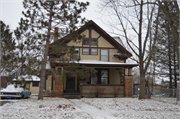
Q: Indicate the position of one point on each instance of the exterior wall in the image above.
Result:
(58, 87)
(128, 86)
(102, 43)
(114, 76)
(94, 34)
(34, 89)
(112, 58)
(79, 43)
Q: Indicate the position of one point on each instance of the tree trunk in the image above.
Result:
(43, 66)
(142, 85)
(169, 64)
(142, 73)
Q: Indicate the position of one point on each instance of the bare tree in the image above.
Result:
(136, 16)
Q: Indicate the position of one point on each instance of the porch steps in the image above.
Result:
(72, 94)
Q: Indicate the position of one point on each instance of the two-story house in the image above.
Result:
(107, 55)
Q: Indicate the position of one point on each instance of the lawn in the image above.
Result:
(89, 108)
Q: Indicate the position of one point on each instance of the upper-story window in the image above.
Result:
(104, 54)
(93, 51)
(85, 51)
(89, 41)
(76, 55)
(85, 41)
(93, 42)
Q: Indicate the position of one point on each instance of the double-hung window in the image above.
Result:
(104, 54)
(86, 51)
(93, 51)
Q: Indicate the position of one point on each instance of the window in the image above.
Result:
(93, 51)
(94, 78)
(93, 42)
(35, 84)
(104, 54)
(86, 51)
(104, 77)
(85, 41)
(76, 55)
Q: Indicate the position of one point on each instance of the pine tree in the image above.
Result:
(7, 48)
(166, 52)
(44, 16)
(28, 52)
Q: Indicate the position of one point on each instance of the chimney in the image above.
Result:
(56, 34)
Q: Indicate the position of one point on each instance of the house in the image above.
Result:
(31, 81)
(107, 55)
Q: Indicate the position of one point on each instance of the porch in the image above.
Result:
(109, 80)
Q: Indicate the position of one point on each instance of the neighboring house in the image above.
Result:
(32, 82)
(104, 53)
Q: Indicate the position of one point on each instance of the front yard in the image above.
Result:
(89, 108)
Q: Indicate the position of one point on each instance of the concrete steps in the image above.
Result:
(72, 94)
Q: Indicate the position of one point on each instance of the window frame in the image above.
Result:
(95, 40)
(87, 40)
(83, 51)
(96, 51)
(34, 83)
(104, 55)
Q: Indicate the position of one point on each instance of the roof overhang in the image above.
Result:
(95, 63)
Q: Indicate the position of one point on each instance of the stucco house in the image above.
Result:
(106, 54)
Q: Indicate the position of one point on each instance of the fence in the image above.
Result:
(161, 94)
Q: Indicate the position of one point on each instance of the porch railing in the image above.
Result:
(101, 90)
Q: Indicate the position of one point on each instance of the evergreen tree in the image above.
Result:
(7, 48)
(166, 52)
(44, 16)
(28, 52)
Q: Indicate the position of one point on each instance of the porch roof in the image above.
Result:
(96, 63)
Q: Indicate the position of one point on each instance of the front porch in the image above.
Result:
(108, 80)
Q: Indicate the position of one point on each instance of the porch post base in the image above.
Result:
(58, 87)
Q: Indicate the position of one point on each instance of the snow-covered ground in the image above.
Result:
(89, 108)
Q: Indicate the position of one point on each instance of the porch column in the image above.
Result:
(59, 85)
(128, 86)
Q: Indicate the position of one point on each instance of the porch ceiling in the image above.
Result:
(95, 63)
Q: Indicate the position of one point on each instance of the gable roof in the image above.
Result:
(113, 41)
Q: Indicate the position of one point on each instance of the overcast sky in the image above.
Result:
(11, 12)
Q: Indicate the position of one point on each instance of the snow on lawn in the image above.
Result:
(58, 108)
(132, 108)
(87, 108)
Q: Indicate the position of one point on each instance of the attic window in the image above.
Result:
(85, 41)
(93, 42)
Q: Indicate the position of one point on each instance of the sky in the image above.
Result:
(11, 12)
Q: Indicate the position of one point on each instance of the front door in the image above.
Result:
(70, 82)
